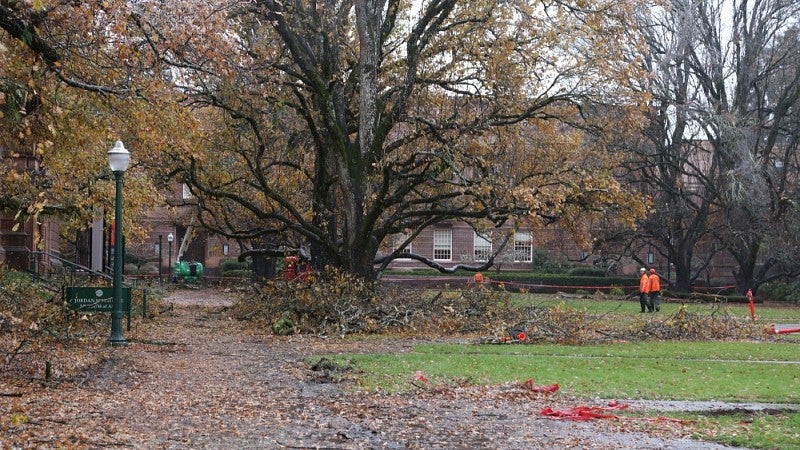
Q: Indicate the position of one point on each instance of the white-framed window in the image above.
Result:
(481, 246)
(398, 241)
(187, 193)
(442, 244)
(523, 246)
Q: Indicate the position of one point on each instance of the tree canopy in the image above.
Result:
(67, 92)
(336, 124)
(722, 141)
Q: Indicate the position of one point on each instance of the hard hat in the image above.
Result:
(652, 270)
(642, 270)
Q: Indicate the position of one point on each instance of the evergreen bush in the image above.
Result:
(587, 272)
(541, 263)
(234, 268)
(232, 264)
(780, 292)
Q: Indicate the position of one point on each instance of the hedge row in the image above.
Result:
(546, 282)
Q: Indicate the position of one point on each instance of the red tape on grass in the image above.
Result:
(579, 413)
(547, 389)
(600, 412)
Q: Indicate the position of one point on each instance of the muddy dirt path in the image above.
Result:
(194, 379)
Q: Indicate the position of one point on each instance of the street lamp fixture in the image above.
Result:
(118, 159)
(170, 238)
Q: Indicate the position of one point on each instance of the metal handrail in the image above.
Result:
(90, 271)
(75, 266)
(72, 264)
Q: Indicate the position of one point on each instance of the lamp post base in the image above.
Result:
(117, 339)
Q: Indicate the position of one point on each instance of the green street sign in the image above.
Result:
(96, 299)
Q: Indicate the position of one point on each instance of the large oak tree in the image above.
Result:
(336, 124)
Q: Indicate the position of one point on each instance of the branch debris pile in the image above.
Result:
(337, 303)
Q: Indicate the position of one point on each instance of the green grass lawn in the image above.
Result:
(764, 313)
(624, 313)
(765, 370)
(740, 371)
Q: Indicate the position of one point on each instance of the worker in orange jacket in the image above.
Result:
(655, 291)
(644, 290)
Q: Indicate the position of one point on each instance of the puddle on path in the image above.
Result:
(710, 406)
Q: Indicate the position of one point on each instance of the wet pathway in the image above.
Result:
(199, 381)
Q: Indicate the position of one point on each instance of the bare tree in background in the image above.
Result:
(720, 154)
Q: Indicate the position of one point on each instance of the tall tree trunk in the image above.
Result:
(747, 257)
(683, 272)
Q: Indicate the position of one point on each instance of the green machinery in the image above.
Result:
(188, 271)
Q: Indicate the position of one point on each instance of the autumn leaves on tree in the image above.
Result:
(339, 124)
(343, 123)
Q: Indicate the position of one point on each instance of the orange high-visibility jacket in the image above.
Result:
(655, 283)
(644, 284)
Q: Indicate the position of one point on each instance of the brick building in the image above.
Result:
(453, 243)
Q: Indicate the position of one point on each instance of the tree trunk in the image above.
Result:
(683, 273)
(745, 273)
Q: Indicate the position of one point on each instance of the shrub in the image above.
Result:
(542, 263)
(616, 290)
(235, 268)
(133, 258)
(232, 264)
(237, 273)
(780, 292)
(149, 267)
(563, 283)
(587, 272)
(34, 326)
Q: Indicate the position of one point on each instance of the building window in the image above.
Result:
(225, 249)
(398, 241)
(442, 244)
(523, 248)
(651, 258)
(481, 246)
(187, 193)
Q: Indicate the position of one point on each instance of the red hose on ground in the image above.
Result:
(774, 330)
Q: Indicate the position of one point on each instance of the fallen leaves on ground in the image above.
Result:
(193, 378)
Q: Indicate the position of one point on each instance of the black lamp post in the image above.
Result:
(118, 160)
(170, 238)
(160, 259)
